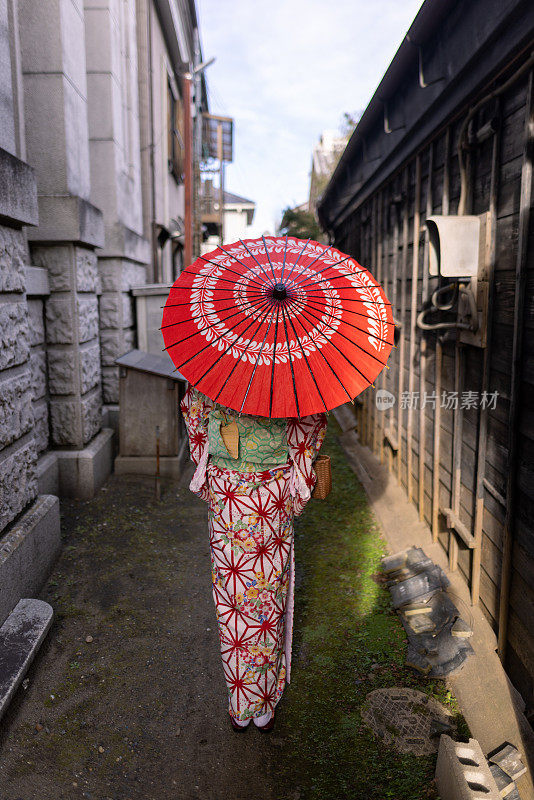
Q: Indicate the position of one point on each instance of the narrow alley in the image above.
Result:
(126, 698)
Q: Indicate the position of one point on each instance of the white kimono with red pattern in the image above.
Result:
(250, 522)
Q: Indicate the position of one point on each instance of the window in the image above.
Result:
(176, 133)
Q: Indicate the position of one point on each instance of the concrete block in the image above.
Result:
(87, 318)
(91, 408)
(116, 310)
(41, 431)
(16, 417)
(110, 384)
(58, 263)
(119, 274)
(47, 472)
(89, 366)
(59, 320)
(18, 485)
(65, 422)
(13, 257)
(37, 283)
(82, 472)
(45, 130)
(36, 321)
(115, 343)
(14, 335)
(38, 372)
(462, 772)
(62, 370)
(68, 218)
(85, 261)
(76, 138)
(100, 96)
(28, 552)
(18, 198)
(20, 638)
(98, 39)
(73, 45)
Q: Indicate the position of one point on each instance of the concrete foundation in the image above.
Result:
(83, 472)
(28, 552)
(47, 472)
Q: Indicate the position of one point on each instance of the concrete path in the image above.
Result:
(488, 701)
(126, 698)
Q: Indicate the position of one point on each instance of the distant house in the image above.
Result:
(237, 217)
(325, 156)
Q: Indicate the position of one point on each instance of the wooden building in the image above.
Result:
(449, 132)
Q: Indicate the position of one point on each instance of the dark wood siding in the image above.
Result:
(385, 234)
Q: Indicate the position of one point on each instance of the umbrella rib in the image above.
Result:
(196, 333)
(298, 258)
(307, 362)
(354, 299)
(326, 361)
(247, 266)
(264, 315)
(274, 356)
(257, 262)
(331, 343)
(318, 319)
(210, 344)
(212, 277)
(290, 362)
(346, 275)
(284, 262)
(254, 293)
(233, 271)
(355, 326)
(268, 257)
(257, 362)
(318, 271)
(209, 314)
(347, 310)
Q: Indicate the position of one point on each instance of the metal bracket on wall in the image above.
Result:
(423, 83)
(387, 126)
(480, 289)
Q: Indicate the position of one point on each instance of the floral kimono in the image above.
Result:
(252, 500)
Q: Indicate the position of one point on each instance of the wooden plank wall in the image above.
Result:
(444, 457)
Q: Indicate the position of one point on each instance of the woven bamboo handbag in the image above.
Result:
(323, 471)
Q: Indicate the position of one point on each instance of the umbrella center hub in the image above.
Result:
(279, 291)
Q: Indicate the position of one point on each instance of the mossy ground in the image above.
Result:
(348, 641)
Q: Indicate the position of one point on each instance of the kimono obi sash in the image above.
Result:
(262, 441)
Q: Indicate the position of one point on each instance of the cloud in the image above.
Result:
(286, 70)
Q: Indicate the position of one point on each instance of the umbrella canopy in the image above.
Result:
(278, 327)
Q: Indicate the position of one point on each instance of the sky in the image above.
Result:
(286, 70)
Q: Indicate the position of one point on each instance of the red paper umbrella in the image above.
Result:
(278, 327)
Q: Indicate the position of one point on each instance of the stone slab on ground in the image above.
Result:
(482, 688)
(462, 772)
(20, 638)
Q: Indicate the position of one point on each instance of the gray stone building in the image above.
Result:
(97, 106)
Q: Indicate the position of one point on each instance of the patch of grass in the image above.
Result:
(348, 641)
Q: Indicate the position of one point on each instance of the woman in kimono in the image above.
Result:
(256, 474)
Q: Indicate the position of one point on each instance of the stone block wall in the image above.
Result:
(117, 318)
(72, 339)
(18, 456)
(36, 296)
